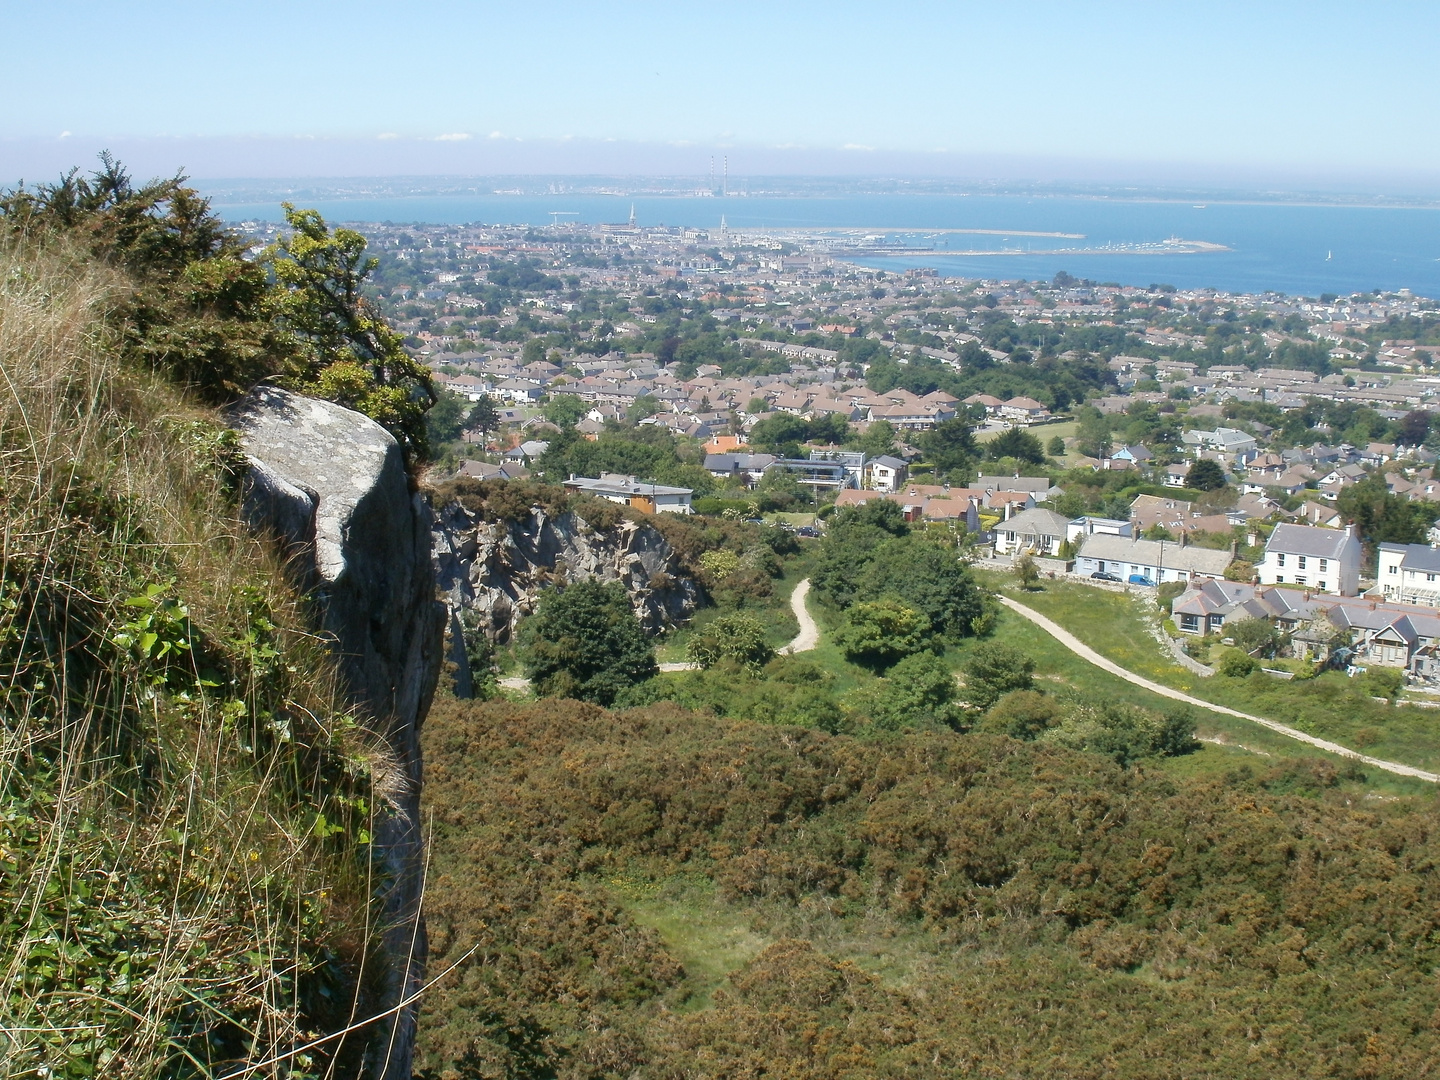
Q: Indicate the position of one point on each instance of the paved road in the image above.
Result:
(1080, 649)
(804, 641)
(809, 635)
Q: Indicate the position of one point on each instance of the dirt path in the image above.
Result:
(809, 635)
(806, 640)
(1080, 649)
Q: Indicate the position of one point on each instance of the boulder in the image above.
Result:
(330, 486)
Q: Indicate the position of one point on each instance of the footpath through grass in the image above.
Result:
(1332, 706)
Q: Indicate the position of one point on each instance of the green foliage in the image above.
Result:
(341, 348)
(1019, 444)
(1205, 475)
(184, 793)
(878, 633)
(1256, 635)
(1236, 664)
(1026, 571)
(869, 552)
(734, 637)
(993, 670)
(1056, 447)
(1383, 682)
(1155, 919)
(585, 642)
(1021, 714)
(1383, 517)
(1240, 570)
(1123, 732)
(918, 690)
(951, 448)
(565, 410)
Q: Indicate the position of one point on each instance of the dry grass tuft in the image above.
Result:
(183, 797)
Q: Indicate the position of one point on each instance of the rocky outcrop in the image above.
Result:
(497, 570)
(330, 485)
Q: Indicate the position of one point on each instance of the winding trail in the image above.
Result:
(809, 635)
(1080, 649)
(804, 641)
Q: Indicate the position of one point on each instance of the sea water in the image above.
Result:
(1304, 250)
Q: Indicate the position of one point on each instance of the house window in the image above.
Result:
(1394, 569)
(1323, 565)
(1429, 577)
(1302, 562)
(1279, 579)
(1280, 559)
(1189, 622)
(1299, 581)
(1322, 586)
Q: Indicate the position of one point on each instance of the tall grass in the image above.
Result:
(183, 796)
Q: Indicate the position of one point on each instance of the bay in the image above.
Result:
(1302, 250)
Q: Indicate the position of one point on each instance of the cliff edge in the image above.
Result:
(330, 485)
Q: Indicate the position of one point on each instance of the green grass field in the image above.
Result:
(1332, 707)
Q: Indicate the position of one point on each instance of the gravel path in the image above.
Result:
(1080, 649)
(809, 635)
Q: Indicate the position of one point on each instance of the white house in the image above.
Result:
(1038, 531)
(886, 473)
(1324, 560)
(1410, 574)
(1154, 560)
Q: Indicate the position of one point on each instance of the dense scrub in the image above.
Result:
(1037, 911)
(184, 796)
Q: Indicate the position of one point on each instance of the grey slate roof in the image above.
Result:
(1193, 560)
(1419, 557)
(1308, 540)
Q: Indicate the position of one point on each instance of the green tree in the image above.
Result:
(878, 633)
(994, 670)
(1236, 664)
(1205, 475)
(1093, 437)
(950, 447)
(735, 637)
(879, 438)
(1256, 635)
(484, 416)
(1056, 447)
(342, 349)
(585, 642)
(1016, 443)
(565, 410)
(444, 420)
(533, 352)
(919, 689)
(1026, 571)
(1384, 517)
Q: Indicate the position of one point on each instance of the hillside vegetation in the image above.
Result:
(185, 798)
(658, 893)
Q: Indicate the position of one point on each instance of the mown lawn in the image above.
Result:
(1331, 707)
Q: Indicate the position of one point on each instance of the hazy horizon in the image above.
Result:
(1305, 97)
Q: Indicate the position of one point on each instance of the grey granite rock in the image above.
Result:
(497, 570)
(330, 485)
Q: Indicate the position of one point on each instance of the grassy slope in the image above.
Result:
(1114, 625)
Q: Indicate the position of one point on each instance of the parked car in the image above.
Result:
(806, 530)
(1141, 579)
(1101, 575)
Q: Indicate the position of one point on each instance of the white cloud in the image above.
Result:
(454, 136)
(387, 135)
(64, 134)
(856, 146)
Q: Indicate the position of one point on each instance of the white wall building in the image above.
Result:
(1323, 560)
(1410, 574)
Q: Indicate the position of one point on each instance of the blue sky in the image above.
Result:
(1262, 92)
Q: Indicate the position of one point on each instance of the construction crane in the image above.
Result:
(556, 215)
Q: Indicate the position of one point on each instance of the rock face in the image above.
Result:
(497, 570)
(330, 485)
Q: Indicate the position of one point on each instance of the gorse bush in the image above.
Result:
(198, 310)
(922, 904)
(184, 798)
